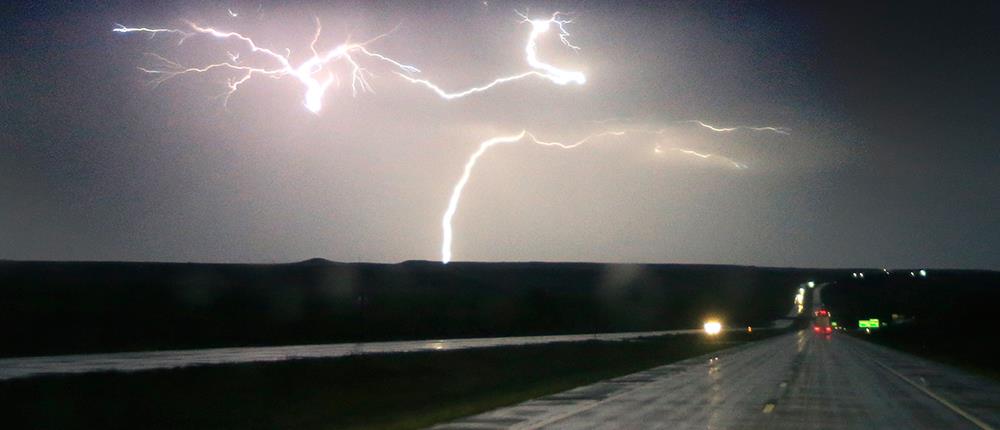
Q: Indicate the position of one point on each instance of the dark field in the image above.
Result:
(58, 308)
(949, 316)
(397, 391)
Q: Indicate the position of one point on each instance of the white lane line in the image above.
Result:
(979, 423)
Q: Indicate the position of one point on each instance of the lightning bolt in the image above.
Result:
(540, 69)
(311, 73)
(696, 154)
(316, 77)
(153, 31)
(779, 130)
(456, 193)
(470, 164)
(703, 156)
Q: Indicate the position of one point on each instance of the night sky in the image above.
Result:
(891, 161)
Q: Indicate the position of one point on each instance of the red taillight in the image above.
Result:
(816, 329)
(829, 330)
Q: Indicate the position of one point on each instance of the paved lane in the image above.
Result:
(793, 381)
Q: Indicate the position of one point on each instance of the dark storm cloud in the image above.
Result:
(891, 161)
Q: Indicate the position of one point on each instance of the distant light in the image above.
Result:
(811, 284)
(749, 329)
(923, 273)
(713, 328)
(911, 274)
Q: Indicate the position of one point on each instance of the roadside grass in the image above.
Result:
(956, 349)
(391, 391)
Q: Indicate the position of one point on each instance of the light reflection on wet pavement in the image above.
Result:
(794, 381)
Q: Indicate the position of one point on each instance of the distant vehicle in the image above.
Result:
(821, 322)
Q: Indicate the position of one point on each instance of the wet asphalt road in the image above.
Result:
(794, 381)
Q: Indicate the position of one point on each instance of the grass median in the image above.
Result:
(390, 391)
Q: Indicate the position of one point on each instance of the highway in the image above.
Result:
(793, 381)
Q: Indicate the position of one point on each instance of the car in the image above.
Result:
(821, 322)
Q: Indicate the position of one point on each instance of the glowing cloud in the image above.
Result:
(316, 75)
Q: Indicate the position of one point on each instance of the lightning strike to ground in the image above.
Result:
(312, 73)
(540, 69)
(456, 193)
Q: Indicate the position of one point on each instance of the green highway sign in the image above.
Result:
(868, 323)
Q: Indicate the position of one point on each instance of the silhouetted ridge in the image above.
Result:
(317, 260)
